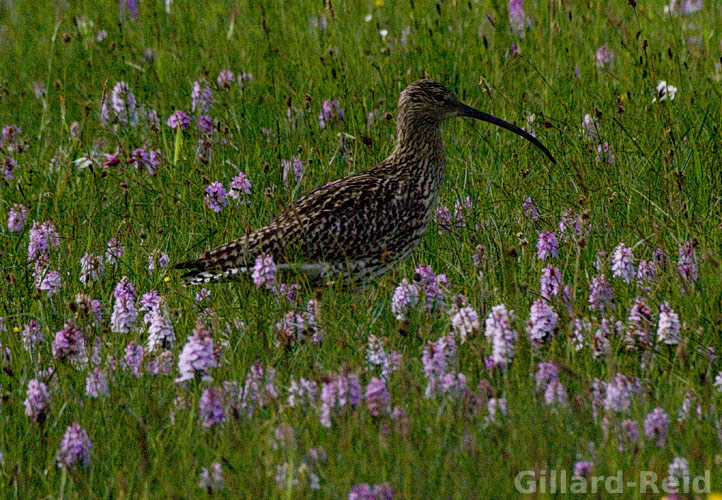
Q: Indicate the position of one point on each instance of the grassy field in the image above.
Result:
(443, 409)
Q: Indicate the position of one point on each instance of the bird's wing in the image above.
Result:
(345, 220)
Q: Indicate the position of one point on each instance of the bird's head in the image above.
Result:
(429, 100)
(429, 103)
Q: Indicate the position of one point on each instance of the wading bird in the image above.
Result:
(362, 225)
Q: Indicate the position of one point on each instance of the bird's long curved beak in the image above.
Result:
(465, 110)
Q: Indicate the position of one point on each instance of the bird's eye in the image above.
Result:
(439, 98)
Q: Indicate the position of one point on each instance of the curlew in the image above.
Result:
(362, 225)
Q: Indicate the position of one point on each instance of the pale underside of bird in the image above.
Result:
(360, 226)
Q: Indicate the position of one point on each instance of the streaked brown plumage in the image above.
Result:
(362, 225)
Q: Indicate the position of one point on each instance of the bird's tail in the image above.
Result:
(225, 262)
(199, 276)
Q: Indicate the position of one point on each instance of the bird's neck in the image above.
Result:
(420, 137)
(419, 157)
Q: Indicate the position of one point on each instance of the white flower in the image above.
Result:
(368, 18)
(623, 263)
(664, 91)
(718, 382)
(679, 468)
(668, 327)
(383, 33)
(83, 162)
(465, 321)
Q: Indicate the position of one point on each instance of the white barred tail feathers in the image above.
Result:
(198, 277)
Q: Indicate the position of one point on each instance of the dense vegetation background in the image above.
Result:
(100, 162)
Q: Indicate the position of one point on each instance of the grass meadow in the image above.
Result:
(570, 318)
